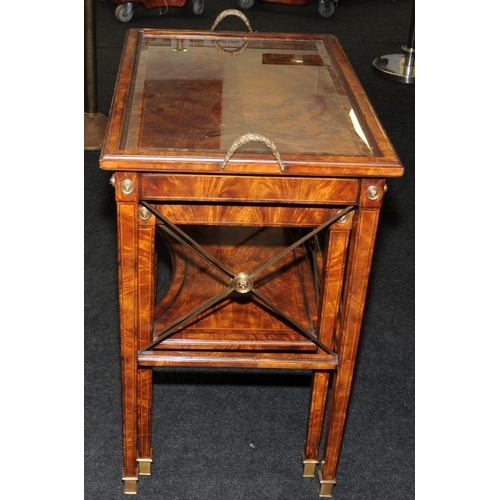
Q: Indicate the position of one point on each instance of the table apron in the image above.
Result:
(244, 215)
(251, 189)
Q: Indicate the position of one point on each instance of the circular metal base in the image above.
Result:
(397, 67)
(95, 128)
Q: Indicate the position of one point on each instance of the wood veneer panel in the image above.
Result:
(240, 321)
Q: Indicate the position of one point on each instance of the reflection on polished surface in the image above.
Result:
(397, 67)
(268, 255)
(199, 94)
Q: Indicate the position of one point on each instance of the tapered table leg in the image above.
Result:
(358, 270)
(127, 288)
(332, 273)
(319, 393)
(146, 302)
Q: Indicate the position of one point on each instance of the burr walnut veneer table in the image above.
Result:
(249, 171)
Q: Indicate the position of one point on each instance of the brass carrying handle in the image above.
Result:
(253, 137)
(231, 12)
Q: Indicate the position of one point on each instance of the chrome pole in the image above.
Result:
(399, 67)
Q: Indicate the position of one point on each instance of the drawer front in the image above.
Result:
(266, 190)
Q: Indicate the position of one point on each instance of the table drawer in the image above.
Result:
(210, 188)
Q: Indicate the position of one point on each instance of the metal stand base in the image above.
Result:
(95, 127)
(397, 67)
(400, 67)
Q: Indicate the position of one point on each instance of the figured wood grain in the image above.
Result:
(116, 156)
(333, 260)
(360, 258)
(240, 322)
(235, 360)
(171, 118)
(127, 284)
(145, 299)
(319, 393)
(249, 189)
(244, 215)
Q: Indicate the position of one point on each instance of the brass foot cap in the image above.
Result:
(130, 484)
(309, 464)
(144, 466)
(325, 485)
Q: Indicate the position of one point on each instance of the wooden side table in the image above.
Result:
(256, 164)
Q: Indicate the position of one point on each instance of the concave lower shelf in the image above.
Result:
(271, 326)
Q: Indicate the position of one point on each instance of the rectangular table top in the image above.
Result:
(187, 101)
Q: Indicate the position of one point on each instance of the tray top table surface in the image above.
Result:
(182, 99)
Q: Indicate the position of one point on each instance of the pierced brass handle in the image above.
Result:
(253, 137)
(231, 12)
